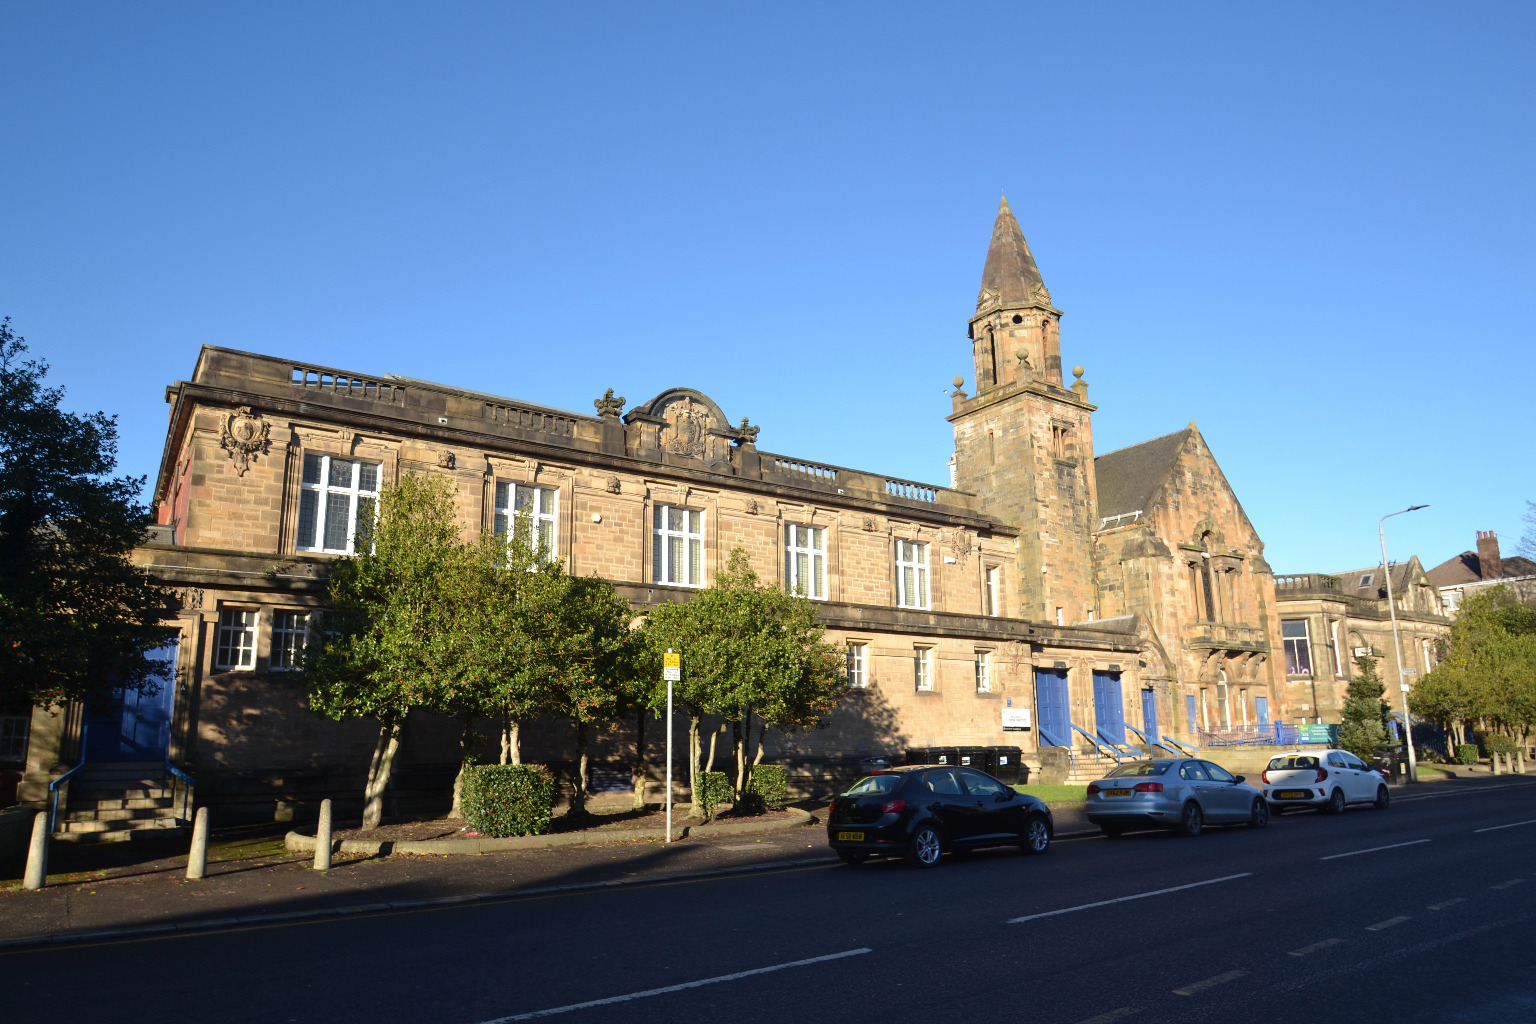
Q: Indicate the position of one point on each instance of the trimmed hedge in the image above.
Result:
(508, 799)
(769, 786)
(714, 789)
(1466, 753)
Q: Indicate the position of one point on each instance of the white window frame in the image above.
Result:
(1303, 647)
(325, 492)
(922, 669)
(807, 543)
(858, 665)
(286, 650)
(990, 587)
(690, 540)
(543, 526)
(1338, 649)
(983, 670)
(912, 558)
(235, 640)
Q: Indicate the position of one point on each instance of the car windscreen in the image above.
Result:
(1277, 764)
(874, 785)
(1141, 768)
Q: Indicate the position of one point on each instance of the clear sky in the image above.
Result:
(1309, 228)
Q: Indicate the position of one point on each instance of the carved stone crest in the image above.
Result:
(687, 422)
(613, 485)
(245, 436)
(869, 524)
(747, 433)
(191, 599)
(753, 507)
(446, 459)
(609, 405)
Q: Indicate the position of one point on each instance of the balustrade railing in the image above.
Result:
(329, 382)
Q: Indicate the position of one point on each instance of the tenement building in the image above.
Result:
(1101, 602)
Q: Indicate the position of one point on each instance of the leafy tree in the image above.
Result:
(387, 643)
(76, 616)
(1487, 668)
(1449, 695)
(1363, 712)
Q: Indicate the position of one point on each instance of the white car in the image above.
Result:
(1329, 779)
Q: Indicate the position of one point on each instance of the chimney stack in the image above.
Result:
(1489, 567)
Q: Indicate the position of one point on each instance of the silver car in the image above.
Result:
(1181, 793)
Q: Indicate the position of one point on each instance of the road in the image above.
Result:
(1424, 912)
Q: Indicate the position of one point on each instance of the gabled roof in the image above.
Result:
(1128, 478)
(1467, 568)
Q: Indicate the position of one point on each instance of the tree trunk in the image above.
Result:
(637, 774)
(709, 763)
(466, 748)
(739, 748)
(511, 745)
(693, 765)
(579, 783)
(378, 772)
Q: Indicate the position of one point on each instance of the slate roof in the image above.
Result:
(1402, 575)
(1129, 477)
(1467, 568)
(1010, 276)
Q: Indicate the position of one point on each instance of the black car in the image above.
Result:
(919, 811)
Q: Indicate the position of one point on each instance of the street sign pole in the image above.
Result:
(671, 671)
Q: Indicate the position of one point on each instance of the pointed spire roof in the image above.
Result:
(1010, 277)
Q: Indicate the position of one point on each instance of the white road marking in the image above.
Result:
(1380, 926)
(1447, 903)
(1356, 853)
(1201, 986)
(1122, 899)
(1304, 950)
(1112, 1015)
(677, 988)
(1509, 884)
(1513, 824)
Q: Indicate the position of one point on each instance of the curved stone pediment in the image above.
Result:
(683, 422)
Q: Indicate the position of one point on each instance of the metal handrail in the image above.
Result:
(53, 787)
(187, 785)
(1150, 742)
(1181, 749)
(1097, 744)
(1122, 746)
(1052, 740)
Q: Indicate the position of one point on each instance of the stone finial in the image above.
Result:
(1077, 371)
(746, 433)
(1079, 385)
(958, 396)
(609, 405)
(959, 382)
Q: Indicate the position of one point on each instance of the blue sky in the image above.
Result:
(1306, 227)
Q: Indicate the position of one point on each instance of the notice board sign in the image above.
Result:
(1015, 719)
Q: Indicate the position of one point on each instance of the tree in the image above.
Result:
(1528, 538)
(77, 618)
(386, 645)
(1487, 669)
(1361, 731)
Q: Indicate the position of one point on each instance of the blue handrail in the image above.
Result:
(1097, 744)
(53, 787)
(1152, 742)
(1050, 738)
(1181, 749)
(186, 788)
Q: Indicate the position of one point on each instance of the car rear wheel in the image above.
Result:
(924, 850)
(1192, 820)
(1383, 798)
(854, 857)
(1336, 801)
(1260, 816)
(1037, 835)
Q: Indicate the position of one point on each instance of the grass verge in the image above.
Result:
(1056, 794)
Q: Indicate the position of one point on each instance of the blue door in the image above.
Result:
(1149, 714)
(1109, 706)
(1192, 718)
(135, 726)
(1051, 702)
(1261, 709)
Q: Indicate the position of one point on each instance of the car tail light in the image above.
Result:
(1149, 787)
(1322, 773)
(893, 807)
(1265, 776)
(1093, 787)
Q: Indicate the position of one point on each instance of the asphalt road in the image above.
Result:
(1412, 914)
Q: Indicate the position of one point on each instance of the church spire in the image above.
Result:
(1010, 278)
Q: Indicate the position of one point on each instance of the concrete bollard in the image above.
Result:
(37, 854)
(1495, 760)
(197, 859)
(323, 838)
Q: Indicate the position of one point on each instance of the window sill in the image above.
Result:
(926, 693)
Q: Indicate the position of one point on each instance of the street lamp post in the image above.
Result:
(1397, 641)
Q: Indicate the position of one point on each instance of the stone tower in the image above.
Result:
(1024, 442)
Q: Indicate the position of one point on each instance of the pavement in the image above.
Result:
(1423, 912)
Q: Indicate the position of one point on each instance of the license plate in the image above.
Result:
(1117, 792)
(850, 837)
(1293, 794)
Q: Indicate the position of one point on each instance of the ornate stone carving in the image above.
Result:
(1040, 295)
(753, 507)
(687, 423)
(613, 485)
(869, 524)
(746, 433)
(191, 599)
(960, 547)
(446, 459)
(245, 436)
(609, 405)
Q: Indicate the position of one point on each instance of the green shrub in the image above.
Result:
(508, 799)
(768, 786)
(1500, 744)
(1466, 753)
(714, 789)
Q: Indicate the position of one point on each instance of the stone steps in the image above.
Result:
(110, 802)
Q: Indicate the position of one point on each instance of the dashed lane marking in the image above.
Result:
(1513, 824)
(1509, 884)
(1375, 849)
(1391, 922)
(1304, 950)
(1112, 1015)
(1122, 899)
(677, 988)
(1201, 986)
(1446, 903)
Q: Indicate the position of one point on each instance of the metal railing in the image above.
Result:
(53, 787)
(1098, 744)
(1151, 742)
(187, 786)
(1182, 749)
(1052, 740)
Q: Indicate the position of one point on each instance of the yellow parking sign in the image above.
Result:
(671, 667)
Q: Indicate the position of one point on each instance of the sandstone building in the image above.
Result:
(1116, 599)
